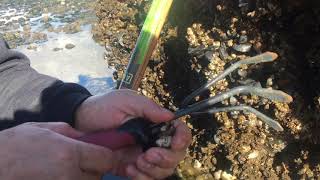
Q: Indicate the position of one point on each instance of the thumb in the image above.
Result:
(141, 106)
(58, 127)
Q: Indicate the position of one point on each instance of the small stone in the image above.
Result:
(243, 39)
(233, 101)
(197, 164)
(144, 92)
(216, 44)
(70, 46)
(32, 47)
(217, 175)
(57, 49)
(253, 155)
(245, 149)
(269, 82)
(227, 176)
(230, 43)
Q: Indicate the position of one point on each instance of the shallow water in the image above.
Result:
(42, 32)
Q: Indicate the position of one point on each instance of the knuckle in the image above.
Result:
(63, 126)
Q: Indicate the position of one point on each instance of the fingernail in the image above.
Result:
(156, 158)
(164, 110)
(147, 165)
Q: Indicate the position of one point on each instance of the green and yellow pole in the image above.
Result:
(146, 44)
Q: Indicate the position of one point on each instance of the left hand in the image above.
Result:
(115, 108)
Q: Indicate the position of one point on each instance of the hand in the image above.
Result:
(115, 108)
(46, 151)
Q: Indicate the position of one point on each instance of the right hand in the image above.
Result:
(46, 151)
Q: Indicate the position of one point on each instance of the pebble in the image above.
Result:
(57, 49)
(242, 47)
(243, 39)
(197, 164)
(245, 149)
(233, 101)
(269, 82)
(253, 155)
(230, 43)
(216, 44)
(217, 174)
(227, 176)
(144, 92)
(70, 46)
(32, 47)
(242, 73)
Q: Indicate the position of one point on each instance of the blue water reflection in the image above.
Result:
(97, 86)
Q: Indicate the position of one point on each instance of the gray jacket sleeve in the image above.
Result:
(27, 96)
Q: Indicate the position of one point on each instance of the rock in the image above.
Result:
(233, 101)
(57, 49)
(253, 155)
(39, 37)
(32, 47)
(227, 176)
(72, 28)
(217, 175)
(243, 39)
(197, 164)
(70, 46)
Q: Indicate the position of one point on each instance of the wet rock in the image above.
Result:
(39, 37)
(57, 49)
(70, 46)
(32, 47)
(72, 28)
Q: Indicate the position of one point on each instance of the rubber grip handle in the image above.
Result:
(112, 139)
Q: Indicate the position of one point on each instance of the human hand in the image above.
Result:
(47, 151)
(115, 108)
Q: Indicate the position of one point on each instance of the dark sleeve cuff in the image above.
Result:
(60, 102)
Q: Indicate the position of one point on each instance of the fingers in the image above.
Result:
(160, 163)
(135, 174)
(164, 158)
(58, 127)
(143, 107)
(94, 158)
(152, 170)
(182, 138)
